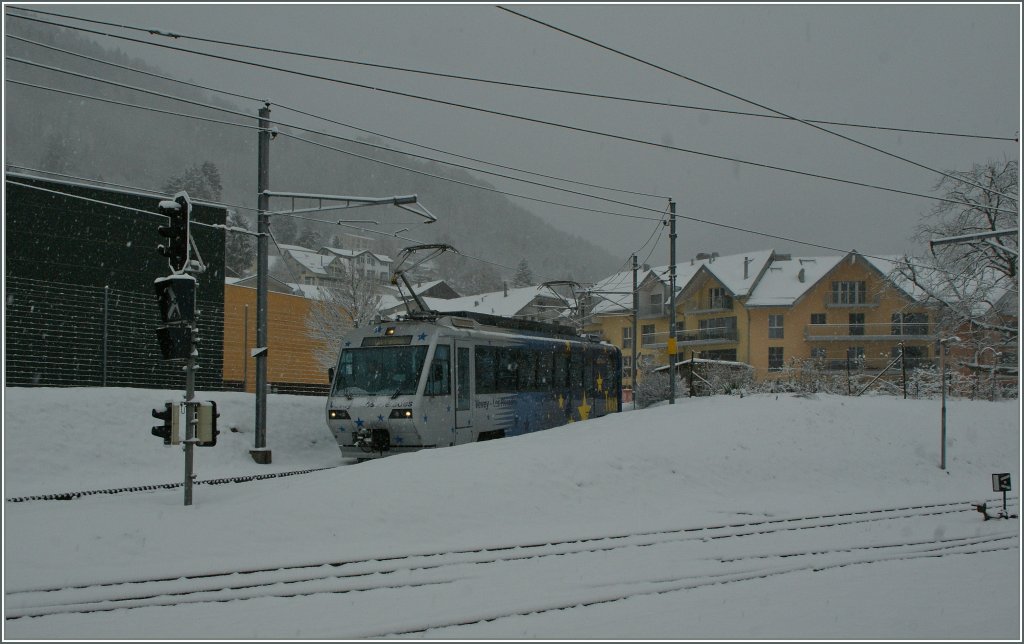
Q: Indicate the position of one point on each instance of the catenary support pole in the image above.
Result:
(672, 303)
(636, 314)
(261, 454)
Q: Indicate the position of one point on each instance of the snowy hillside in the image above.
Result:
(704, 520)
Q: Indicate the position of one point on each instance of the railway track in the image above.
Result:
(697, 564)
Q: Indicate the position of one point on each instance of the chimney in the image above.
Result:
(506, 288)
(800, 276)
(746, 261)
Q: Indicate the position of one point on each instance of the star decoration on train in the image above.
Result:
(348, 343)
(421, 337)
(377, 329)
(584, 409)
(380, 417)
(359, 422)
(600, 383)
(398, 440)
(561, 402)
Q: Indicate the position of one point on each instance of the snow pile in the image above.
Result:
(700, 462)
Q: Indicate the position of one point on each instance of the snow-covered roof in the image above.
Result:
(311, 261)
(786, 281)
(496, 303)
(738, 273)
(344, 252)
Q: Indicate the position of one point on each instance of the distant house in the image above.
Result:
(363, 262)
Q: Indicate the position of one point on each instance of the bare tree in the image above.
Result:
(970, 280)
(350, 303)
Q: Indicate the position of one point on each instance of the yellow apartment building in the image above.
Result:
(770, 311)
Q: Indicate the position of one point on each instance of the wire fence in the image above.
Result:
(70, 335)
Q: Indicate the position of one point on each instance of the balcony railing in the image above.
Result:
(894, 331)
(653, 311)
(706, 336)
(851, 300)
(708, 305)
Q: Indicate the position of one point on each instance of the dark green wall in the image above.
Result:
(55, 333)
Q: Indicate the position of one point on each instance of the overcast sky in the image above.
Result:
(950, 68)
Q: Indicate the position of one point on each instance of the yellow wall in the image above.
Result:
(752, 323)
(291, 358)
(798, 317)
(691, 322)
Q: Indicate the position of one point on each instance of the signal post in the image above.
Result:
(179, 336)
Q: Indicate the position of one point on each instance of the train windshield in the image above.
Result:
(376, 371)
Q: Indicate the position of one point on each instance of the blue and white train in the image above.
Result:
(464, 377)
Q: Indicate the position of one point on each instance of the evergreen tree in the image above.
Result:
(310, 238)
(284, 229)
(524, 276)
(200, 182)
(239, 248)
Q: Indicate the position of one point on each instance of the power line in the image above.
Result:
(366, 158)
(745, 100)
(332, 136)
(695, 219)
(386, 234)
(512, 84)
(504, 114)
(329, 120)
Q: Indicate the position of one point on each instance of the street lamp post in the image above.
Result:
(943, 343)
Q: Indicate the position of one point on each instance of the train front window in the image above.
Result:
(379, 371)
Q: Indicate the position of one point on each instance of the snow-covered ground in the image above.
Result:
(762, 517)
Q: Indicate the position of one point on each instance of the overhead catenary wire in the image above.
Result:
(504, 114)
(557, 90)
(415, 241)
(323, 118)
(312, 131)
(748, 101)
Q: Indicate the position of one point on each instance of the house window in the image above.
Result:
(717, 329)
(856, 324)
(775, 358)
(627, 337)
(775, 326)
(718, 299)
(647, 334)
(855, 354)
(910, 324)
(817, 318)
(913, 356)
(849, 293)
(656, 306)
(818, 353)
(627, 366)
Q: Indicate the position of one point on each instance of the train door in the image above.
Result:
(463, 392)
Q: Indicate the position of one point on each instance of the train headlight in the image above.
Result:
(401, 413)
(337, 414)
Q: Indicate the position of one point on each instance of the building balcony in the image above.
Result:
(851, 301)
(709, 305)
(713, 335)
(870, 332)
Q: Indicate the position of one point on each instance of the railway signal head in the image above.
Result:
(206, 424)
(169, 430)
(176, 249)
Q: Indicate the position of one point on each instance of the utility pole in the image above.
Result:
(672, 303)
(636, 314)
(260, 453)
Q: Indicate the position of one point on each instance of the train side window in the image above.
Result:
(527, 368)
(508, 368)
(589, 380)
(486, 370)
(545, 373)
(561, 378)
(439, 379)
(576, 370)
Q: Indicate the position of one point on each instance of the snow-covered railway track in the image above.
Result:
(413, 571)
